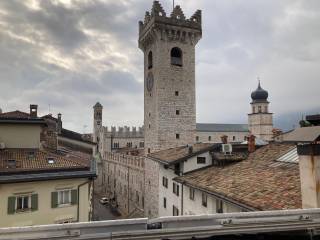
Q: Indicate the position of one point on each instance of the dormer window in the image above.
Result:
(176, 57)
(150, 60)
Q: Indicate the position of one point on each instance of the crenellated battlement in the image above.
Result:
(124, 132)
(175, 27)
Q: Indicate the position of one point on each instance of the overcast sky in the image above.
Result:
(67, 55)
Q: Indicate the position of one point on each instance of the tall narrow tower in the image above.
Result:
(260, 119)
(97, 121)
(168, 44)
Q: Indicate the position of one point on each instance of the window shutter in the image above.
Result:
(34, 202)
(11, 205)
(54, 199)
(74, 196)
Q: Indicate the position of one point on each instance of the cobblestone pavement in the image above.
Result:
(103, 212)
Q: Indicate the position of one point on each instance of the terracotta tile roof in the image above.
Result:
(255, 182)
(75, 136)
(29, 160)
(176, 154)
(15, 114)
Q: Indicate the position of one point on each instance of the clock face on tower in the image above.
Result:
(149, 82)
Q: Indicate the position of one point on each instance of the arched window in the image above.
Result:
(176, 56)
(150, 62)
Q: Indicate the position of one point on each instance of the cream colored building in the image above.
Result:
(39, 185)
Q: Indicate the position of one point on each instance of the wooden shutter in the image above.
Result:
(34, 202)
(54, 199)
(11, 205)
(74, 196)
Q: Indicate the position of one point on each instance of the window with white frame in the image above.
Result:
(64, 197)
(23, 203)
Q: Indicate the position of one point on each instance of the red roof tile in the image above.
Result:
(254, 182)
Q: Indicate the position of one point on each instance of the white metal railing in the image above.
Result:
(180, 227)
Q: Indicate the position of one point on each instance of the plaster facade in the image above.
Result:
(15, 135)
(45, 214)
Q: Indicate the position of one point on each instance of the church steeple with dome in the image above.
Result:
(260, 119)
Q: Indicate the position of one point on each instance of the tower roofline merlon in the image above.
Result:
(177, 20)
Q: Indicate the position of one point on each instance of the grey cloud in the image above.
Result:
(277, 40)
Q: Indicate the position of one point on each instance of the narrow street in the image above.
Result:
(103, 212)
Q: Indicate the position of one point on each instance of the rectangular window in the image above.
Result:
(175, 211)
(204, 199)
(201, 160)
(176, 189)
(191, 193)
(219, 206)
(165, 182)
(234, 138)
(164, 202)
(23, 203)
(177, 136)
(177, 112)
(197, 138)
(209, 138)
(176, 93)
(64, 197)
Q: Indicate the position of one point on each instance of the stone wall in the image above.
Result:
(122, 178)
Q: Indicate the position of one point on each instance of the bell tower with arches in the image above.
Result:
(168, 44)
(260, 120)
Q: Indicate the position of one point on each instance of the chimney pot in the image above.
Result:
(251, 143)
(224, 139)
(33, 110)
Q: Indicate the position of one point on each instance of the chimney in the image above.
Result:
(251, 143)
(224, 139)
(59, 124)
(190, 149)
(33, 110)
(309, 165)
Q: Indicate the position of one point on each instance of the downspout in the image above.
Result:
(182, 199)
(78, 208)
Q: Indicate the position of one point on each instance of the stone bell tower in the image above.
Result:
(168, 44)
(97, 121)
(260, 119)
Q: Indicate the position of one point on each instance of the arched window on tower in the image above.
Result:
(176, 56)
(150, 60)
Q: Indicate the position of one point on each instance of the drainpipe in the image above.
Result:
(78, 208)
(181, 199)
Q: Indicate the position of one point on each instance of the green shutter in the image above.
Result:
(34, 202)
(54, 199)
(11, 205)
(74, 196)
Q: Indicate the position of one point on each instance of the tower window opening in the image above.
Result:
(176, 93)
(150, 60)
(259, 109)
(177, 136)
(177, 112)
(176, 57)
